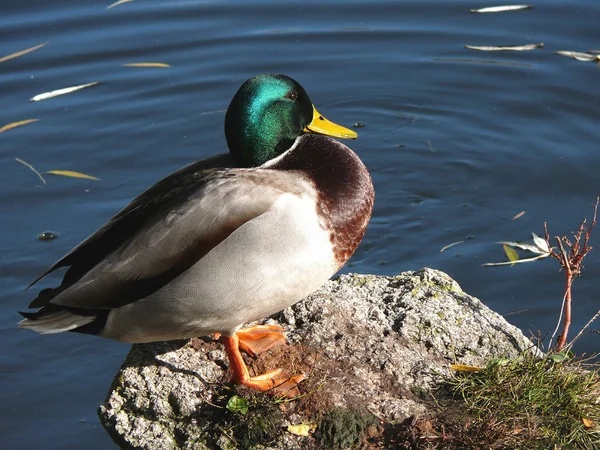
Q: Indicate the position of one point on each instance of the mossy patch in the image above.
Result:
(343, 428)
(261, 425)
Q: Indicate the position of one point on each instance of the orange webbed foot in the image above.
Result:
(260, 338)
(278, 382)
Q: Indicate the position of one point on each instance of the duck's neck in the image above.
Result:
(343, 185)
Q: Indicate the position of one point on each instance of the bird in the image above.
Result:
(210, 248)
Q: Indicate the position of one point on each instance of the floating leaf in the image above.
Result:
(465, 368)
(450, 245)
(522, 245)
(62, 91)
(513, 257)
(147, 64)
(514, 48)
(537, 247)
(494, 9)
(578, 55)
(540, 243)
(21, 53)
(518, 216)
(32, 168)
(237, 404)
(12, 125)
(70, 173)
(511, 253)
(120, 2)
(302, 429)
(588, 423)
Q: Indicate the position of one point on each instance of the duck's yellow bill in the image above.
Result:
(321, 125)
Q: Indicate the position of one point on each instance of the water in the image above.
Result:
(457, 141)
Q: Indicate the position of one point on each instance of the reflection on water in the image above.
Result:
(457, 141)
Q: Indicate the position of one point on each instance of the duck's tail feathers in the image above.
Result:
(53, 319)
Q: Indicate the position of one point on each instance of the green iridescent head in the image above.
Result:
(266, 116)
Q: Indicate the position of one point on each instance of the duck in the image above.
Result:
(210, 247)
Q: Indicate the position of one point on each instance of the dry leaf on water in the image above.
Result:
(514, 48)
(21, 53)
(450, 245)
(511, 253)
(539, 247)
(63, 91)
(494, 9)
(12, 125)
(580, 56)
(147, 64)
(70, 173)
(120, 2)
(518, 216)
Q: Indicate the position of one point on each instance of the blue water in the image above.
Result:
(457, 142)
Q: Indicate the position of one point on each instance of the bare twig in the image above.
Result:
(583, 329)
(571, 262)
(32, 168)
(562, 310)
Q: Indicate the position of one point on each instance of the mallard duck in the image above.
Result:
(206, 250)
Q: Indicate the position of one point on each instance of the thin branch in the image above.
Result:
(32, 168)
(570, 344)
(562, 309)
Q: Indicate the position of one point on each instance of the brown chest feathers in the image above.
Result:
(345, 193)
(347, 214)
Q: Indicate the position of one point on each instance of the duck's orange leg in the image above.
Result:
(277, 381)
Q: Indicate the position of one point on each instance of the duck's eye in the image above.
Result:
(292, 95)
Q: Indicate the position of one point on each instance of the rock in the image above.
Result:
(374, 348)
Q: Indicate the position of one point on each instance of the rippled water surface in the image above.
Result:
(457, 141)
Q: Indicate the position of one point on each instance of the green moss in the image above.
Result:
(261, 424)
(342, 428)
(420, 392)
